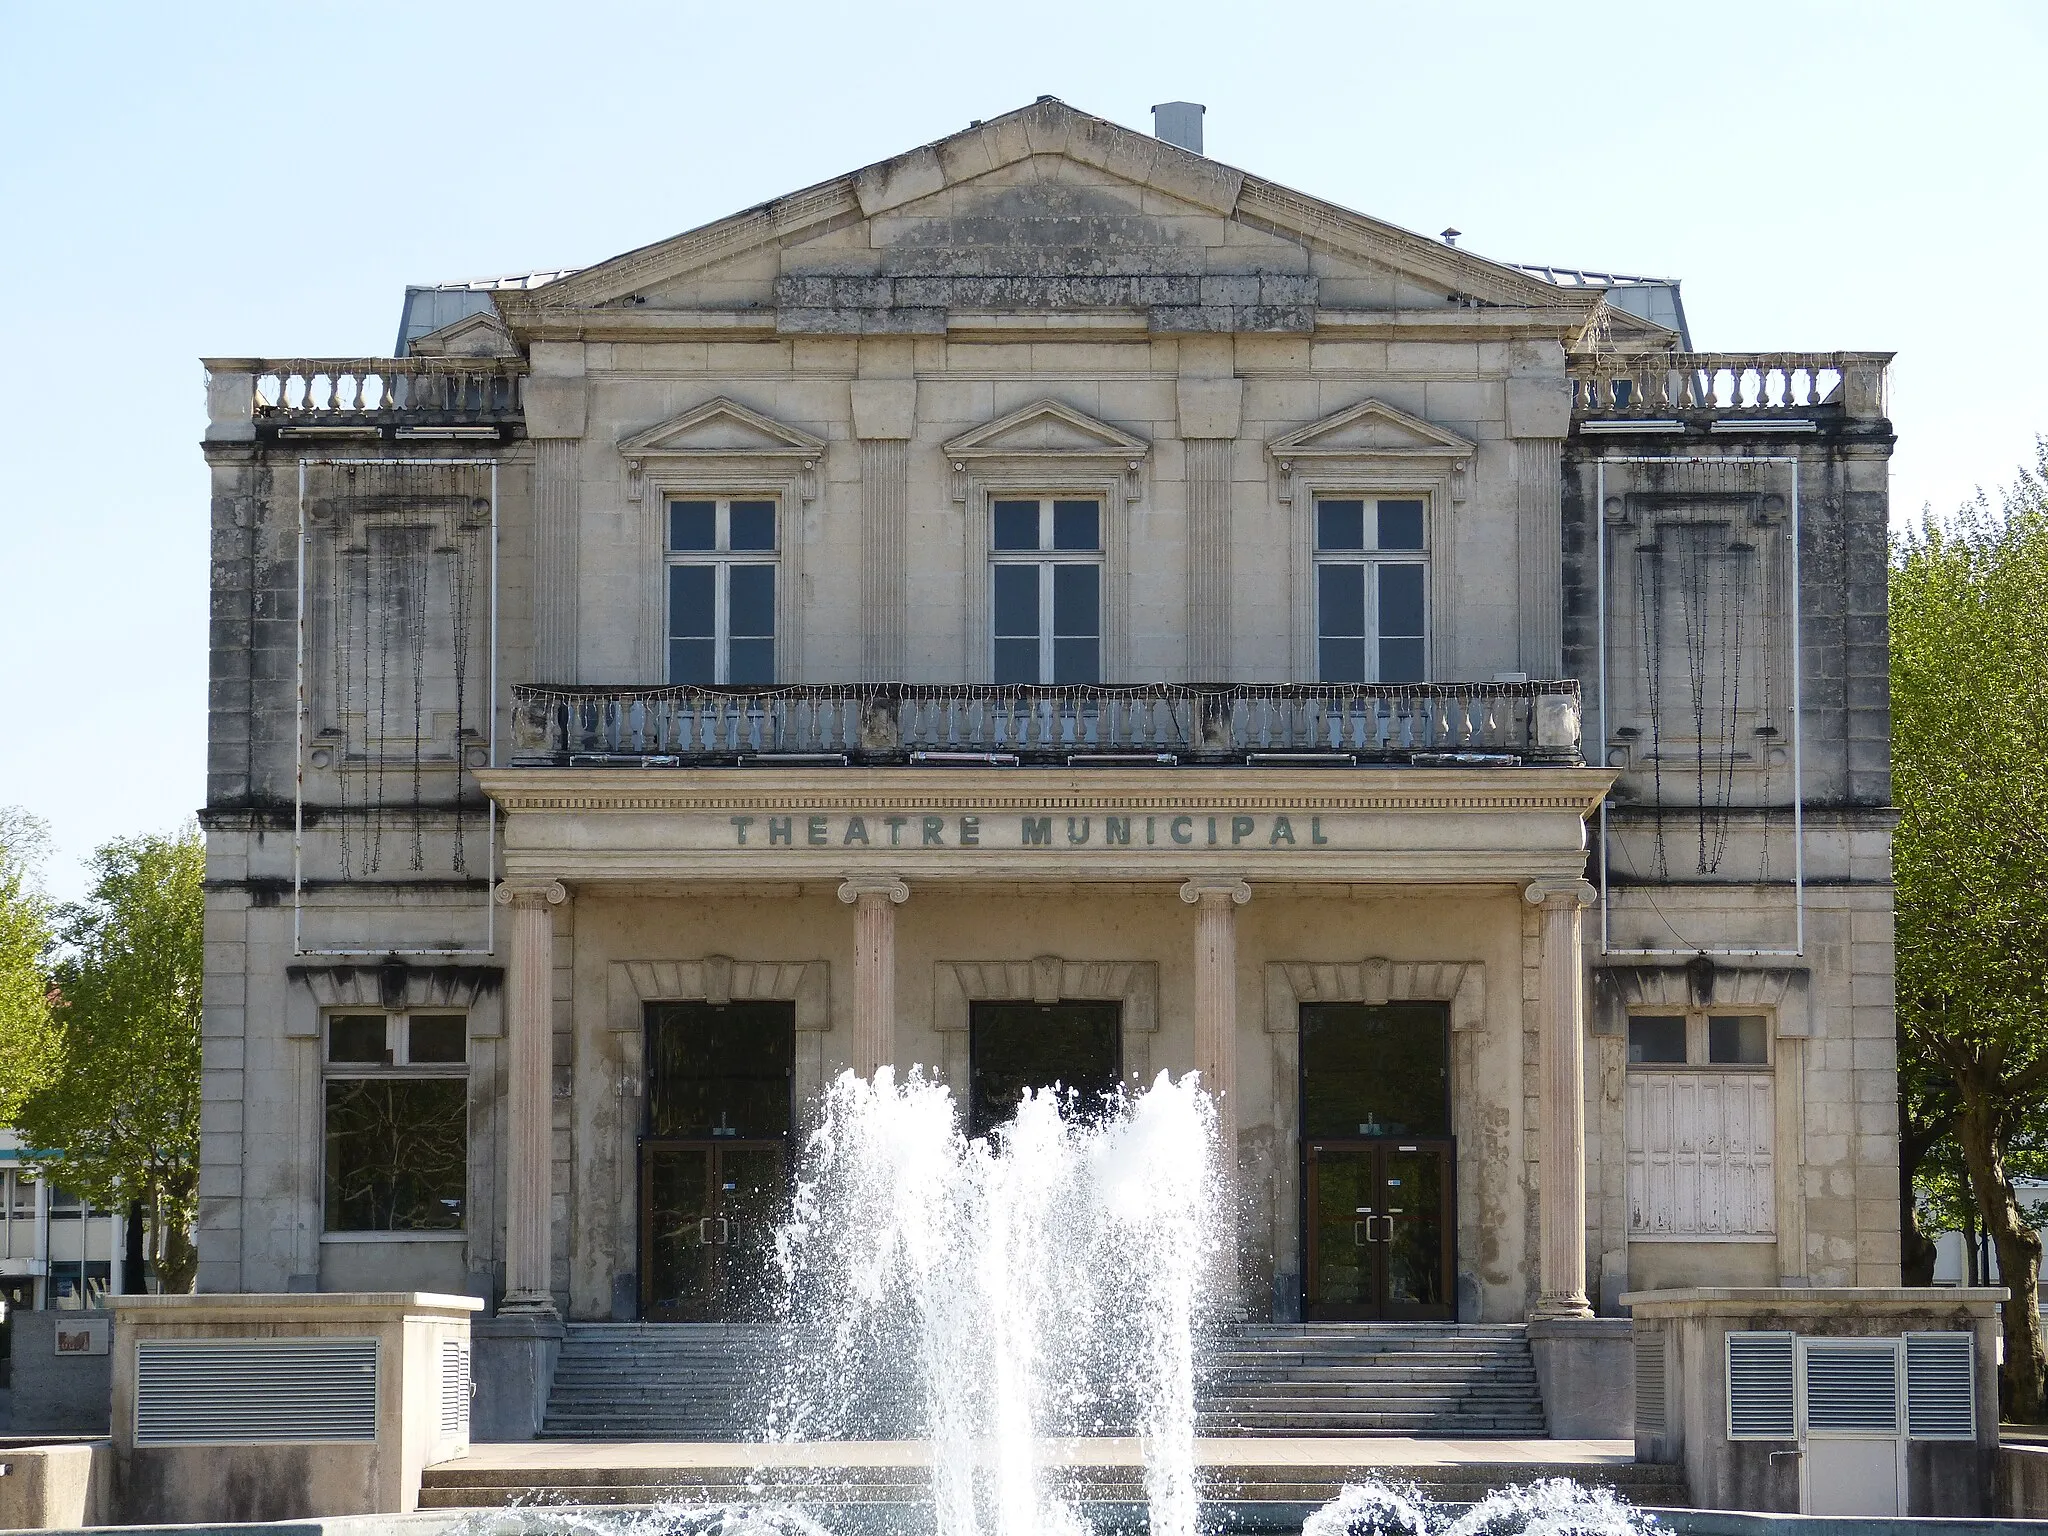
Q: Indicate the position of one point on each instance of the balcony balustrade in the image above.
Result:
(1653, 385)
(374, 396)
(1335, 724)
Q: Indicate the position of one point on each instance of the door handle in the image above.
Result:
(1386, 1237)
(1360, 1235)
(724, 1230)
(704, 1232)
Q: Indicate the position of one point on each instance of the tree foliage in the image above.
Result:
(27, 1037)
(122, 1101)
(1969, 653)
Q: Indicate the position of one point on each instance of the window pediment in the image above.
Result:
(1048, 433)
(723, 434)
(1367, 438)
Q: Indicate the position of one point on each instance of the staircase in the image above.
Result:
(657, 1381)
(704, 1381)
(1436, 1380)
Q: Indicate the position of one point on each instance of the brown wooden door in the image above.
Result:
(1379, 1225)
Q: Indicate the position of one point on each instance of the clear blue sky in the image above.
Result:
(205, 179)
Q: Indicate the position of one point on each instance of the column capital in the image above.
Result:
(1542, 892)
(853, 887)
(527, 893)
(1211, 888)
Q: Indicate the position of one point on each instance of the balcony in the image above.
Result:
(423, 398)
(1727, 389)
(1148, 724)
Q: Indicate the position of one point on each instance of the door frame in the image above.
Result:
(1379, 1146)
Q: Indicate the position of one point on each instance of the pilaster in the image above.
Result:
(529, 1096)
(1561, 1025)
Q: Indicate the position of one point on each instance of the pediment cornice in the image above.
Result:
(1371, 429)
(1047, 429)
(721, 433)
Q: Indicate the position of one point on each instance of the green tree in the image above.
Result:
(123, 1101)
(27, 1038)
(1969, 654)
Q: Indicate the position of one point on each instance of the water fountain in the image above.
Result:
(997, 1297)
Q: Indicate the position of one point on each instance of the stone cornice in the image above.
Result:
(1512, 790)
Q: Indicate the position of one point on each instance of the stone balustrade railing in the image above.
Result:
(367, 393)
(893, 723)
(1665, 384)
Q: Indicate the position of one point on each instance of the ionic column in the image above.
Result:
(874, 899)
(1560, 1028)
(529, 1093)
(1216, 903)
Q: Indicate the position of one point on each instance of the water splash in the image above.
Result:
(990, 1294)
(1554, 1506)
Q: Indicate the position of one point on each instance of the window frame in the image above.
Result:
(1044, 559)
(1370, 559)
(400, 1068)
(1697, 1025)
(722, 559)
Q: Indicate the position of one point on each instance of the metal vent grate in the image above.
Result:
(1941, 1386)
(1760, 1386)
(1852, 1385)
(193, 1391)
(455, 1389)
(1649, 1383)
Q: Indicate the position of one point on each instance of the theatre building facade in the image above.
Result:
(1051, 608)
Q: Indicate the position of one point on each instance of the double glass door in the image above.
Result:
(714, 1158)
(1379, 1230)
(708, 1212)
(1378, 1163)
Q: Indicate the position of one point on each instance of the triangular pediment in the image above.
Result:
(1370, 428)
(1047, 429)
(478, 335)
(855, 217)
(722, 426)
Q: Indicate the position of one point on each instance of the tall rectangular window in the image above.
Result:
(1046, 577)
(1372, 590)
(397, 1110)
(721, 589)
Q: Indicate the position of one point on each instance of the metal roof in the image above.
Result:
(1655, 299)
(429, 306)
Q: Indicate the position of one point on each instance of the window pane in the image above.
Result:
(1017, 661)
(1077, 661)
(750, 605)
(1739, 1042)
(438, 1038)
(357, 1037)
(751, 661)
(753, 525)
(1340, 525)
(692, 601)
(1401, 600)
(692, 661)
(1017, 601)
(1401, 662)
(1341, 661)
(1016, 524)
(1340, 600)
(397, 1154)
(1657, 1041)
(1075, 608)
(1400, 525)
(693, 525)
(1076, 525)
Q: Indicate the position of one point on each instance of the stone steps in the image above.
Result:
(624, 1381)
(452, 1486)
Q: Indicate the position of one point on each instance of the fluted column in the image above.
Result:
(874, 899)
(1539, 554)
(1561, 1175)
(1216, 903)
(885, 512)
(529, 1093)
(1209, 585)
(557, 506)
